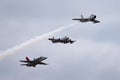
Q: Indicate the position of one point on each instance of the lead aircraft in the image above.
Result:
(92, 18)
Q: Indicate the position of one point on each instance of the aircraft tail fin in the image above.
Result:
(82, 16)
(27, 59)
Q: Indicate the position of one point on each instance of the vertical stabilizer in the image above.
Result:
(27, 59)
(82, 16)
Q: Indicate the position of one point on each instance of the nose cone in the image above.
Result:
(73, 19)
(45, 57)
(49, 39)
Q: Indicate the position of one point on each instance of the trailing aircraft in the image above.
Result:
(34, 62)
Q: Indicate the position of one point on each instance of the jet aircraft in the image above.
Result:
(61, 40)
(34, 62)
(91, 18)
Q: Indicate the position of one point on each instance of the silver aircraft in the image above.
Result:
(92, 18)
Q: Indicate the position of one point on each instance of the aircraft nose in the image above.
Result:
(49, 38)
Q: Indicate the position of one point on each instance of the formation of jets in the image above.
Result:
(89, 19)
(64, 40)
(34, 62)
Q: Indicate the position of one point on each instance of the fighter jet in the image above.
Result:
(34, 62)
(61, 40)
(91, 18)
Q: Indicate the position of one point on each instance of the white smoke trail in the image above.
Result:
(31, 42)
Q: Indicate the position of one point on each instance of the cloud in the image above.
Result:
(94, 56)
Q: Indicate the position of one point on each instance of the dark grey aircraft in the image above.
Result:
(34, 62)
(91, 18)
(61, 40)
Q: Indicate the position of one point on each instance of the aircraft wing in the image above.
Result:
(41, 58)
(54, 40)
(42, 63)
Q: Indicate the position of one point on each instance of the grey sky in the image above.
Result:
(94, 56)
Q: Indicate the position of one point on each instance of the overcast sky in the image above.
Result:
(94, 56)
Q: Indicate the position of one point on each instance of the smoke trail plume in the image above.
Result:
(31, 42)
